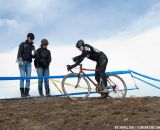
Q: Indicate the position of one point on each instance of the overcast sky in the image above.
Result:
(66, 21)
(126, 30)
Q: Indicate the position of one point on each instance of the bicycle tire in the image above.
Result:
(68, 87)
(120, 89)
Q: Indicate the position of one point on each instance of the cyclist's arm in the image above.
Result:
(77, 62)
(83, 55)
(80, 58)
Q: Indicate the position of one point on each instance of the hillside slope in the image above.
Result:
(94, 113)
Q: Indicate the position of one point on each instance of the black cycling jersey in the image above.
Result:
(88, 52)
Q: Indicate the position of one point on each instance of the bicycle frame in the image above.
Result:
(82, 72)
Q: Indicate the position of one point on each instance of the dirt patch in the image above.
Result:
(57, 113)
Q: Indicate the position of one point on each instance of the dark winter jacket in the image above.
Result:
(25, 51)
(42, 58)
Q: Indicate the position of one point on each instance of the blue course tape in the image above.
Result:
(32, 77)
(119, 72)
(142, 75)
(59, 76)
(62, 76)
(146, 82)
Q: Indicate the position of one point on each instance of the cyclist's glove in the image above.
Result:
(69, 67)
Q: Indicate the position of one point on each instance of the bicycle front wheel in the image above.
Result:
(117, 86)
(76, 86)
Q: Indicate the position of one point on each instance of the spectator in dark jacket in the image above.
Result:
(24, 59)
(42, 62)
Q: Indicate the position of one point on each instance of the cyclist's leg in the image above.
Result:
(102, 64)
(103, 76)
(102, 68)
(97, 74)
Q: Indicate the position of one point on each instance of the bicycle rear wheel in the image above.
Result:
(117, 86)
(76, 87)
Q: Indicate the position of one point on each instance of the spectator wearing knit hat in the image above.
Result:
(42, 62)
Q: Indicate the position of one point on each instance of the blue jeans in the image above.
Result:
(25, 71)
(43, 72)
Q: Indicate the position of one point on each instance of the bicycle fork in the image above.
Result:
(78, 81)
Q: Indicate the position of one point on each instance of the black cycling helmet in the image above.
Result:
(31, 35)
(79, 43)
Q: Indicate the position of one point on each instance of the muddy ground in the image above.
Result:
(58, 113)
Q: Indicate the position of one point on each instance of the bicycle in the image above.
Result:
(76, 85)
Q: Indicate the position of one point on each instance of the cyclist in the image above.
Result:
(93, 54)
